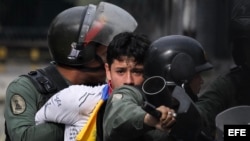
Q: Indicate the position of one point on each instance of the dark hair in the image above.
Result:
(128, 44)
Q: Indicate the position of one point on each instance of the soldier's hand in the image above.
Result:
(166, 121)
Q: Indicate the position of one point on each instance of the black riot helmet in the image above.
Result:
(240, 32)
(176, 58)
(75, 33)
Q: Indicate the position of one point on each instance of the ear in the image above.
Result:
(182, 67)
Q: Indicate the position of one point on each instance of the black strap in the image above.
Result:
(57, 79)
(47, 80)
(42, 83)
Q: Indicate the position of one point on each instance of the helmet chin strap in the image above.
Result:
(190, 92)
(74, 51)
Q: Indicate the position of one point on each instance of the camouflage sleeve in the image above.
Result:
(20, 109)
(124, 117)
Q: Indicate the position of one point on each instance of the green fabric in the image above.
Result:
(124, 118)
(219, 96)
(226, 91)
(21, 127)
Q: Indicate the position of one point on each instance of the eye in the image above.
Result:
(120, 71)
(138, 71)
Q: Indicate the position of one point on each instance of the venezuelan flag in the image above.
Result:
(88, 132)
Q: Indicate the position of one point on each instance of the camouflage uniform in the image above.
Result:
(22, 102)
(124, 118)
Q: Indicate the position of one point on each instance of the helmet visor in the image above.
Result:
(109, 21)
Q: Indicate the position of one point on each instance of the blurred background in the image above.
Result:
(24, 25)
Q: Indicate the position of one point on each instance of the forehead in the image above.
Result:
(125, 61)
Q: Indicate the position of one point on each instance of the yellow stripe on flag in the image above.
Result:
(88, 132)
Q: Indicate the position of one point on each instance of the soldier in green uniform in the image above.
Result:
(78, 38)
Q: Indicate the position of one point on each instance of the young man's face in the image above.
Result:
(124, 72)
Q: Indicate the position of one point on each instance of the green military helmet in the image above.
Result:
(176, 58)
(75, 33)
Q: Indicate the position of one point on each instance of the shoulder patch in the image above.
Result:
(116, 97)
(18, 104)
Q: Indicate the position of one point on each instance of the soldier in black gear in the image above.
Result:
(177, 60)
(182, 58)
(232, 88)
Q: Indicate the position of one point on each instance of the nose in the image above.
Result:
(201, 79)
(129, 79)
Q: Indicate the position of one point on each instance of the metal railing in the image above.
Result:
(23, 36)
